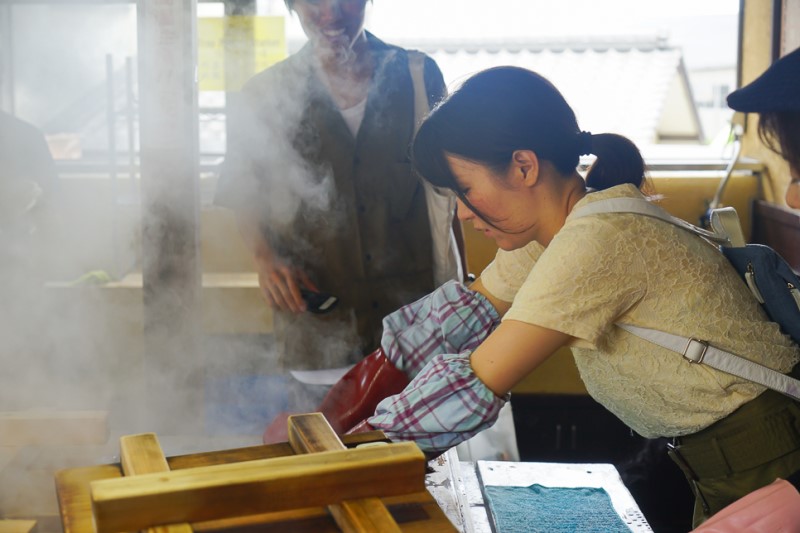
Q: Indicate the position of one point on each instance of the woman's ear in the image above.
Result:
(526, 165)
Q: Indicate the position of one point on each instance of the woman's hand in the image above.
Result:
(455, 396)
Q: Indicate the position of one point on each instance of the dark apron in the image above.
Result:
(747, 450)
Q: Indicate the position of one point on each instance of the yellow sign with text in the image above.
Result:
(231, 50)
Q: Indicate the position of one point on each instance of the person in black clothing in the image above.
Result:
(775, 96)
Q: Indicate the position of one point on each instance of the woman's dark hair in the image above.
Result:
(780, 132)
(504, 109)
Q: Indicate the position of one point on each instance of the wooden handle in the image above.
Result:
(253, 487)
(311, 433)
(142, 454)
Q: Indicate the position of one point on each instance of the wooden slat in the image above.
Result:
(142, 454)
(264, 451)
(43, 428)
(368, 514)
(74, 497)
(311, 433)
(72, 485)
(415, 513)
(17, 526)
(314, 520)
(224, 491)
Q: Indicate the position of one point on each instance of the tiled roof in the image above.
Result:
(622, 86)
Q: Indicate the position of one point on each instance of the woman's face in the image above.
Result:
(332, 26)
(502, 199)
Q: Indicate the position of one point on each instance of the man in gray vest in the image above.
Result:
(318, 173)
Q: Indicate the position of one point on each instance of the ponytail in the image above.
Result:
(504, 109)
(618, 161)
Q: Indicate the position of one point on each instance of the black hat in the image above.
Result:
(777, 89)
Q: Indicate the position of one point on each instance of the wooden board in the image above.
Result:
(26, 483)
(415, 513)
(74, 496)
(311, 433)
(53, 428)
(17, 526)
(269, 485)
(252, 453)
(142, 454)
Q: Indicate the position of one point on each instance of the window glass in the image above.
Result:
(62, 83)
(656, 71)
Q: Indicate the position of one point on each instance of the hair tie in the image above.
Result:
(585, 143)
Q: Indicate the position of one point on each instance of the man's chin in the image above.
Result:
(330, 53)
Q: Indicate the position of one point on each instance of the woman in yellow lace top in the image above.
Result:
(508, 144)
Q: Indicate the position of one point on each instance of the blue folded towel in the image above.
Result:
(542, 509)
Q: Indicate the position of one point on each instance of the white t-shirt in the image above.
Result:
(353, 116)
(627, 268)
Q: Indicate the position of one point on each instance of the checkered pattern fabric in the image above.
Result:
(443, 405)
(451, 319)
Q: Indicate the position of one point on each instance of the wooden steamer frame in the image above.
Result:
(315, 482)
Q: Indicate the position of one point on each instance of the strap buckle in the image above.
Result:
(673, 450)
(695, 350)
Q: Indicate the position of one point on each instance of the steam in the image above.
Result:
(264, 125)
(270, 144)
(71, 323)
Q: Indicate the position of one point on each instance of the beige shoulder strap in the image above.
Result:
(440, 202)
(416, 65)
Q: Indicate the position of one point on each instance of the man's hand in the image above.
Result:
(280, 282)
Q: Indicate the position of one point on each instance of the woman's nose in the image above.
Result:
(463, 212)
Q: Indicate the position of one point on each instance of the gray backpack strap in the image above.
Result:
(643, 207)
(727, 232)
(725, 221)
(697, 351)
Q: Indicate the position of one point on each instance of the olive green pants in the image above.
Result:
(748, 449)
